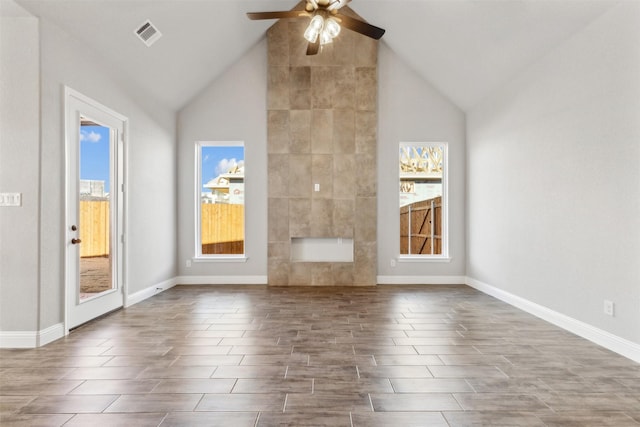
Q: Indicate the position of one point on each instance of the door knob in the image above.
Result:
(74, 228)
(76, 241)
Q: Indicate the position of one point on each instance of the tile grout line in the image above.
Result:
(371, 402)
(163, 419)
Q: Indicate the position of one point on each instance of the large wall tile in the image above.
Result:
(300, 88)
(344, 216)
(278, 89)
(322, 131)
(278, 132)
(345, 84)
(300, 129)
(322, 218)
(321, 274)
(278, 175)
(279, 220)
(278, 44)
(366, 219)
(322, 119)
(300, 175)
(300, 217)
(344, 131)
(322, 87)
(366, 89)
(345, 173)
(366, 131)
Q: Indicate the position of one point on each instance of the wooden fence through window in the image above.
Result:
(94, 228)
(222, 228)
(421, 228)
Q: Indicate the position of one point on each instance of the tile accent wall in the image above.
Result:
(322, 129)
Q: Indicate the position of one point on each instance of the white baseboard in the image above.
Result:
(18, 339)
(421, 280)
(50, 334)
(192, 280)
(222, 280)
(603, 338)
(31, 339)
(149, 292)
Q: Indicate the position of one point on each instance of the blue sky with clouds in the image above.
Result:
(217, 160)
(94, 154)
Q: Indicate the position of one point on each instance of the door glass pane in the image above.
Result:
(95, 210)
(221, 199)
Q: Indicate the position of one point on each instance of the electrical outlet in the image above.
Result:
(393, 262)
(188, 263)
(608, 308)
(11, 199)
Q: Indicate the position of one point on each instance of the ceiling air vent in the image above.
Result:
(148, 33)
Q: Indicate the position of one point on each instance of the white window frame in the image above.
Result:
(199, 256)
(444, 256)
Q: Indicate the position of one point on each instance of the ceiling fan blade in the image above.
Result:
(337, 4)
(277, 15)
(313, 48)
(360, 26)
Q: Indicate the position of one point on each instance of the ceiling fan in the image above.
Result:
(326, 22)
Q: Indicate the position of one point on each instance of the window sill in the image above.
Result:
(423, 258)
(221, 258)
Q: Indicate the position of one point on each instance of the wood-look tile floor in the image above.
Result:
(259, 356)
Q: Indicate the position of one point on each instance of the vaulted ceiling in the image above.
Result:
(465, 48)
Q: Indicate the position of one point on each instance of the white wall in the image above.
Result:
(232, 108)
(19, 171)
(33, 285)
(411, 109)
(554, 178)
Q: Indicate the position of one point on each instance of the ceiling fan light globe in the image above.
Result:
(325, 38)
(311, 34)
(316, 23)
(332, 27)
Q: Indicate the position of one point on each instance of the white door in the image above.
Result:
(94, 209)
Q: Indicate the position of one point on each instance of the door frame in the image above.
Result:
(119, 246)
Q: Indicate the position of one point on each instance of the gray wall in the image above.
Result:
(19, 172)
(554, 178)
(232, 108)
(151, 175)
(410, 109)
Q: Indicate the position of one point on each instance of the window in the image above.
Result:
(423, 200)
(220, 200)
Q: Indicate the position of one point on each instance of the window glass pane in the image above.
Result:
(221, 199)
(421, 168)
